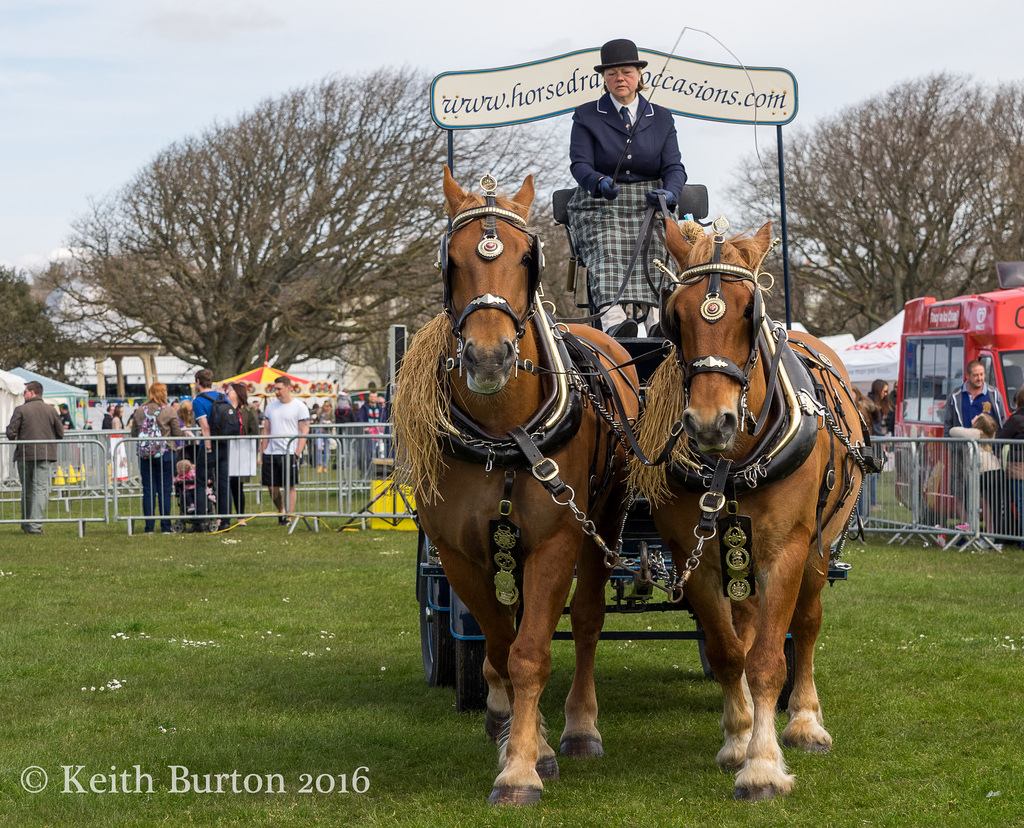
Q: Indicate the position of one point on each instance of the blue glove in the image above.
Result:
(670, 198)
(609, 189)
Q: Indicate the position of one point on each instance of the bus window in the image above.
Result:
(933, 367)
(990, 371)
(1013, 375)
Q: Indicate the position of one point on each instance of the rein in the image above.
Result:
(641, 248)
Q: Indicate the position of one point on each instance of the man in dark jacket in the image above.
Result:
(972, 398)
(35, 420)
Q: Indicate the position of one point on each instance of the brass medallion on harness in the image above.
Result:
(505, 542)
(735, 544)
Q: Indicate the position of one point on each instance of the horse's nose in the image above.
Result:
(488, 369)
(717, 434)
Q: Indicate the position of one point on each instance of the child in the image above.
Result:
(185, 487)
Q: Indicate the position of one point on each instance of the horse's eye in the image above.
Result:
(748, 311)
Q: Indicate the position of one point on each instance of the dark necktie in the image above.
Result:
(624, 112)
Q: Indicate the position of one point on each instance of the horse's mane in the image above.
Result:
(477, 200)
(664, 407)
(421, 399)
(703, 247)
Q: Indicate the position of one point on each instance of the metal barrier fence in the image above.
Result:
(345, 472)
(80, 490)
(952, 492)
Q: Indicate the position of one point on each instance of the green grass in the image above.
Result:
(271, 654)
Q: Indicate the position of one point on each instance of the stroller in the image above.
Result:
(185, 494)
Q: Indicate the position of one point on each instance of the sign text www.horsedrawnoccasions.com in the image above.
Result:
(179, 779)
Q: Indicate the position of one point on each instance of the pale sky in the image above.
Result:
(92, 90)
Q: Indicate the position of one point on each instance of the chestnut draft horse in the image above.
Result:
(770, 459)
(519, 472)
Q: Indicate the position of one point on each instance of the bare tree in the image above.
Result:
(310, 223)
(898, 197)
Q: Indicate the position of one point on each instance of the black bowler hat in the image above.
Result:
(619, 53)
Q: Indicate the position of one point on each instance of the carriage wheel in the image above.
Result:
(789, 651)
(470, 685)
(436, 640)
(702, 644)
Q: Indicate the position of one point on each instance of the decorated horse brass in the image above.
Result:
(735, 534)
(505, 537)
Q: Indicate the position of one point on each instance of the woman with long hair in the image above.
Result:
(879, 395)
(241, 449)
(154, 421)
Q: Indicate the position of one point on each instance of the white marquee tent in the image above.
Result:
(876, 355)
(12, 387)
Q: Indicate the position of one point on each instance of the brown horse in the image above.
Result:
(500, 436)
(783, 415)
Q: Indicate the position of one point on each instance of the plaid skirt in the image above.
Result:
(606, 235)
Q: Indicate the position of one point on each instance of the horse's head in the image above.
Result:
(491, 268)
(713, 317)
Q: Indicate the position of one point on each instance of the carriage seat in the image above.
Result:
(693, 200)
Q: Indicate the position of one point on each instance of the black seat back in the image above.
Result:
(560, 204)
(693, 200)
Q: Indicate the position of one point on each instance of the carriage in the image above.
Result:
(492, 586)
(452, 643)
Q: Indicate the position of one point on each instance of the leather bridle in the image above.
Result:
(712, 309)
(489, 248)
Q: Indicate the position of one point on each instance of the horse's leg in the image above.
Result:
(475, 585)
(764, 772)
(581, 738)
(805, 729)
(546, 584)
(725, 652)
(499, 695)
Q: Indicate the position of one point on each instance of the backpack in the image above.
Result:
(154, 445)
(225, 419)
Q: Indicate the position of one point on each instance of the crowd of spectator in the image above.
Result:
(185, 464)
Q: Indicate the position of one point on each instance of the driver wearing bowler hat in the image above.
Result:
(623, 130)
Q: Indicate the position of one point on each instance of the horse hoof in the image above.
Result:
(808, 747)
(495, 724)
(756, 794)
(582, 747)
(514, 795)
(547, 768)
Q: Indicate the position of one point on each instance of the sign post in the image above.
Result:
(487, 98)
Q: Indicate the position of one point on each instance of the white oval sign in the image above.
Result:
(542, 89)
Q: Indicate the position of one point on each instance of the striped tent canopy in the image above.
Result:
(260, 381)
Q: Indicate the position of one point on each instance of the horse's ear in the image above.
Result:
(524, 198)
(763, 237)
(678, 245)
(454, 195)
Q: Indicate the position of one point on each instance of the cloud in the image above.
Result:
(207, 24)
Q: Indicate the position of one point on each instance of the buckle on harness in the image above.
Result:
(712, 502)
(545, 469)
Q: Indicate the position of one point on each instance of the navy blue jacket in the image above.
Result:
(599, 136)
